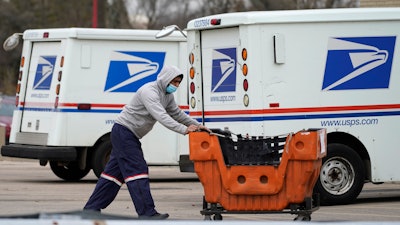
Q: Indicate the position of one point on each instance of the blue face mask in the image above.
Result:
(171, 88)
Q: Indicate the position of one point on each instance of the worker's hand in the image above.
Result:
(193, 128)
(204, 128)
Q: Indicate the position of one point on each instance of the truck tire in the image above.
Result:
(342, 176)
(68, 171)
(100, 157)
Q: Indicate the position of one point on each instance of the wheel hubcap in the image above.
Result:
(337, 175)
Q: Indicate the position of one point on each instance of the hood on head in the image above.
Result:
(167, 74)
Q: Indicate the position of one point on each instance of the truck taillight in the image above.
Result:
(245, 70)
(59, 75)
(18, 89)
(191, 58)
(245, 85)
(244, 54)
(58, 87)
(22, 62)
(45, 34)
(56, 103)
(215, 21)
(192, 88)
(191, 61)
(191, 72)
(62, 61)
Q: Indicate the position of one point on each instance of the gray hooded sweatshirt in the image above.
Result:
(152, 103)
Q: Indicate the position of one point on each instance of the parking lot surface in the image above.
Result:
(28, 188)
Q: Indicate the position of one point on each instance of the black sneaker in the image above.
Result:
(157, 216)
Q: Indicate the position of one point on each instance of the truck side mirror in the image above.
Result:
(168, 30)
(11, 42)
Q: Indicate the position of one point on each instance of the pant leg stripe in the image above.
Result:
(111, 178)
(136, 177)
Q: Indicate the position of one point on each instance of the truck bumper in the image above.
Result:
(39, 152)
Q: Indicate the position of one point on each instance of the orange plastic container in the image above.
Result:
(259, 187)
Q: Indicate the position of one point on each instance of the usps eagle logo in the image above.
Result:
(358, 63)
(44, 72)
(128, 70)
(223, 70)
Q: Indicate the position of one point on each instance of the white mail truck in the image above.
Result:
(275, 72)
(72, 84)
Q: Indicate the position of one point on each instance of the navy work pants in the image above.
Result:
(126, 165)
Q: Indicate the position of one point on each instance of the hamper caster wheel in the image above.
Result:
(207, 217)
(217, 217)
(303, 218)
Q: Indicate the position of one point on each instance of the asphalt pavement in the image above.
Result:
(27, 188)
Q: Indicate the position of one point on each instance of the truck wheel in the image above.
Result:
(69, 171)
(342, 176)
(101, 156)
